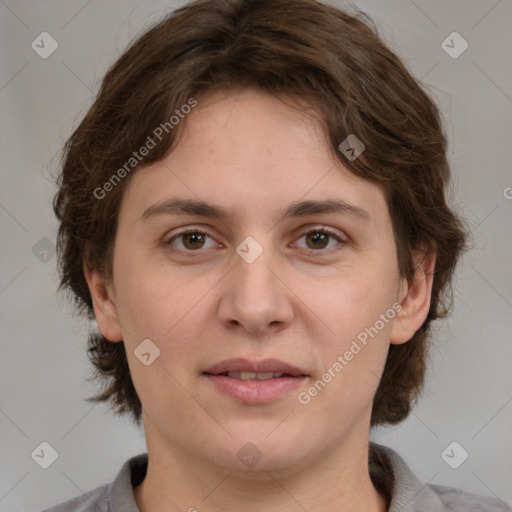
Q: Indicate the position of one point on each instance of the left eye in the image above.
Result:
(319, 239)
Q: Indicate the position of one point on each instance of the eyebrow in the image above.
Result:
(296, 209)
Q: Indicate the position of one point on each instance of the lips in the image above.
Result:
(259, 367)
(255, 382)
(254, 375)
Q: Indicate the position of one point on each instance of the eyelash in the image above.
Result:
(312, 252)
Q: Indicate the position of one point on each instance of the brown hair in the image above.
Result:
(290, 48)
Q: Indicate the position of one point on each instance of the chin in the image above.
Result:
(267, 446)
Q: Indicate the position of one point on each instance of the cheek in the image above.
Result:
(351, 303)
(352, 357)
(166, 306)
(150, 298)
(354, 348)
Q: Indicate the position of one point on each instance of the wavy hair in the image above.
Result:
(332, 59)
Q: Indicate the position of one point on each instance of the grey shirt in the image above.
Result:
(389, 472)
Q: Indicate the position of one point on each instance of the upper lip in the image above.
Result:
(264, 366)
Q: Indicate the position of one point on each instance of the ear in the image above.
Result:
(414, 298)
(104, 305)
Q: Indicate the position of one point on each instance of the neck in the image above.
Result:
(336, 480)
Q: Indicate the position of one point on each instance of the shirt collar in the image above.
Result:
(120, 496)
(392, 476)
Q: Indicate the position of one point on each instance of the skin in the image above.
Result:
(301, 301)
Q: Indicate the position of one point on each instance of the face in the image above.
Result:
(251, 249)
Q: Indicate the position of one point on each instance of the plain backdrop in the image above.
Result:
(43, 365)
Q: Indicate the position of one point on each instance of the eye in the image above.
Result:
(319, 239)
(191, 240)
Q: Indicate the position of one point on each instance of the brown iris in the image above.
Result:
(318, 237)
(193, 240)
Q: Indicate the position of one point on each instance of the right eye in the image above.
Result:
(191, 240)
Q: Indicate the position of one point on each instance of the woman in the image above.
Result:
(253, 211)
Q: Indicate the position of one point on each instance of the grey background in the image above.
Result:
(43, 365)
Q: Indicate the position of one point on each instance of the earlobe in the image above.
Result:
(104, 306)
(415, 303)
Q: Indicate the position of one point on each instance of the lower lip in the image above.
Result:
(256, 391)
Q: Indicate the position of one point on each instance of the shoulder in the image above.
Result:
(95, 500)
(408, 493)
(456, 499)
(114, 497)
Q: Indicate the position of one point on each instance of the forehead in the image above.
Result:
(255, 154)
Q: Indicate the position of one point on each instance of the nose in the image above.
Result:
(254, 296)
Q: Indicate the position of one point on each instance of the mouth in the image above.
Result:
(255, 382)
(248, 376)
